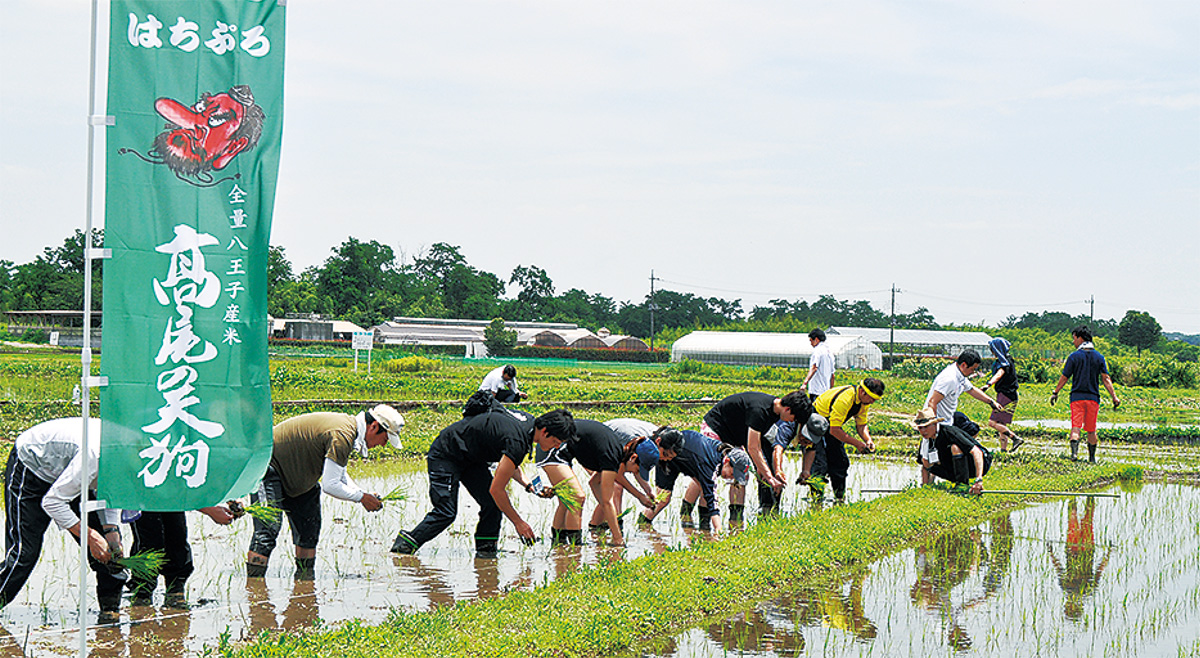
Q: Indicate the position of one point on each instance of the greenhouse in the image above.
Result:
(790, 350)
(919, 342)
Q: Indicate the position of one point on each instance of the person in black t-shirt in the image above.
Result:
(462, 452)
(950, 453)
(1004, 378)
(740, 420)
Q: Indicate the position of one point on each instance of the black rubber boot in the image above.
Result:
(405, 544)
(306, 568)
(255, 570)
(705, 523)
(685, 514)
(573, 537)
(1092, 452)
(486, 549)
(737, 513)
(1075, 449)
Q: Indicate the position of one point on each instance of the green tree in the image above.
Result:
(498, 340)
(536, 291)
(54, 280)
(1139, 329)
(361, 282)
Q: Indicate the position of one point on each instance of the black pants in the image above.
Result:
(837, 464)
(303, 513)
(964, 423)
(166, 532)
(25, 524)
(506, 395)
(444, 479)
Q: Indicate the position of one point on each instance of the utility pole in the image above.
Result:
(1092, 309)
(651, 305)
(892, 333)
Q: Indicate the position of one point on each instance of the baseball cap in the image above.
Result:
(815, 429)
(647, 454)
(391, 421)
(740, 461)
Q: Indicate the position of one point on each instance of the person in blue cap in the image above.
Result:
(1004, 378)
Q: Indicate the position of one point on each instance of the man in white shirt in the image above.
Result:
(821, 366)
(43, 479)
(502, 382)
(951, 383)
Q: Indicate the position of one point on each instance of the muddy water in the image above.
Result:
(1074, 577)
(357, 576)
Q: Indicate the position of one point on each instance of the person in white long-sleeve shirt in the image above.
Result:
(42, 483)
(310, 456)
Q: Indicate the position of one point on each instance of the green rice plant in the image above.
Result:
(662, 497)
(566, 495)
(396, 494)
(625, 513)
(262, 511)
(144, 565)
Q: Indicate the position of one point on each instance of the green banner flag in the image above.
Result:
(196, 90)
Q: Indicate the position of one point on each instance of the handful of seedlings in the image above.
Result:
(396, 494)
(566, 495)
(262, 511)
(144, 565)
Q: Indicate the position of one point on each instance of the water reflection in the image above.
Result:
(1078, 572)
(1001, 588)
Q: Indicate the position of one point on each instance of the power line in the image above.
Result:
(763, 293)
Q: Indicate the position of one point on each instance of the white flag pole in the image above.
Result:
(86, 352)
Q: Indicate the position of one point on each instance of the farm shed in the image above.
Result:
(920, 342)
(773, 349)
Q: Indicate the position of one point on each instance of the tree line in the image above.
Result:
(367, 282)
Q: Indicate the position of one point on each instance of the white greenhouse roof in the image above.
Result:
(914, 336)
(768, 348)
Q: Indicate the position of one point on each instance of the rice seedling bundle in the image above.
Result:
(566, 495)
(396, 494)
(144, 565)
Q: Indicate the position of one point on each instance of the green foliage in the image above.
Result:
(412, 364)
(498, 340)
(1154, 370)
(1139, 329)
(920, 368)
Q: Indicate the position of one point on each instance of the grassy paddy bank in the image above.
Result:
(622, 605)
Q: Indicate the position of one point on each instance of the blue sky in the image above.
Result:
(987, 158)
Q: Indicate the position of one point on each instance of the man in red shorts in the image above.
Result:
(1086, 369)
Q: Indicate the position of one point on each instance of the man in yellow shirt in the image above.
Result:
(840, 405)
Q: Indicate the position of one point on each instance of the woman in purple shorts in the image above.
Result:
(1004, 378)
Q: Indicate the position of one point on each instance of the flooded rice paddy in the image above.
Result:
(357, 577)
(1072, 577)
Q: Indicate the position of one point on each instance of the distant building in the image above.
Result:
(313, 328)
(469, 334)
(755, 348)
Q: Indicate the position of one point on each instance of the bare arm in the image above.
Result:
(977, 486)
(984, 398)
(841, 435)
(754, 447)
(504, 473)
(1108, 386)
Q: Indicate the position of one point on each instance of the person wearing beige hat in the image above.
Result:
(310, 456)
(950, 453)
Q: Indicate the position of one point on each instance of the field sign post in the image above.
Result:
(363, 340)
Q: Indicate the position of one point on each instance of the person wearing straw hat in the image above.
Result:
(310, 456)
(950, 453)
(839, 405)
